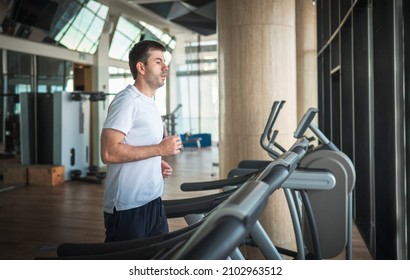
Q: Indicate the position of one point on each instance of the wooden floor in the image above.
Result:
(35, 219)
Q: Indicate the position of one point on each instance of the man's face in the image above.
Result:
(156, 69)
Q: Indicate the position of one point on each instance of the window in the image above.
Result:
(82, 32)
(197, 89)
(129, 32)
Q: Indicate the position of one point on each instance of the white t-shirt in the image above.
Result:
(133, 184)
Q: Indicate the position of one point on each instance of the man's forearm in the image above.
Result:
(123, 153)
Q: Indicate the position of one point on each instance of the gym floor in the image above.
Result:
(35, 219)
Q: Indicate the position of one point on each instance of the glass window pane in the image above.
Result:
(20, 88)
(18, 63)
(119, 46)
(200, 106)
(127, 27)
(62, 32)
(86, 24)
(166, 38)
(102, 13)
(150, 36)
(52, 74)
(95, 30)
(42, 88)
(161, 99)
(71, 39)
(85, 45)
(93, 49)
(93, 6)
(50, 66)
(83, 20)
(172, 44)
(137, 36)
(55, 88)
(167, 56)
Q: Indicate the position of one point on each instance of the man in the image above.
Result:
(132, 145)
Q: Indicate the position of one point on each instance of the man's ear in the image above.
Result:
(140, 67)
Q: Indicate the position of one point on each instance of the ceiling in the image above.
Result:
(196, 15)
(173, 17)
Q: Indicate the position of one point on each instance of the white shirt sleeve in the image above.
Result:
(121, 114)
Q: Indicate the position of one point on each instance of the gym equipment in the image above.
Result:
(257, 233)
(239, 212)
(327, 212)
(224, 229)
(170, 121)
(94, 175)
(55, 131)
(299, 178)
(334, 225)
(131, 249)
(307, 178)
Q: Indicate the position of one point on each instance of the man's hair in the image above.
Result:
(140, 53)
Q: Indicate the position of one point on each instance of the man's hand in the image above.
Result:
(166, 169)
(170, 145)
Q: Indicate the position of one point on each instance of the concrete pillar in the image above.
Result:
(306, 42)
(99, 109)
(257, 65)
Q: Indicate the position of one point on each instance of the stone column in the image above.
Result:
(99, 109)
(257, 66)
(306, 42)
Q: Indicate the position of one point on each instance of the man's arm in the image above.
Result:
(114, 151)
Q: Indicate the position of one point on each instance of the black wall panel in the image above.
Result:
(364, 81)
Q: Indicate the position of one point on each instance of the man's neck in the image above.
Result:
(144, 89)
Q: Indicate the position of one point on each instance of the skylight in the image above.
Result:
(128, 32)
(83, 31)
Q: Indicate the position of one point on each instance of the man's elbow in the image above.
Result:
(105, 158)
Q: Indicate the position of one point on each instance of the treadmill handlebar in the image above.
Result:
(301, 146)
(268, 133)
(216, 184)
(289, 159)
(237, 214)
(305, 122)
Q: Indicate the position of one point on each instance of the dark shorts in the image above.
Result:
(136, 223)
